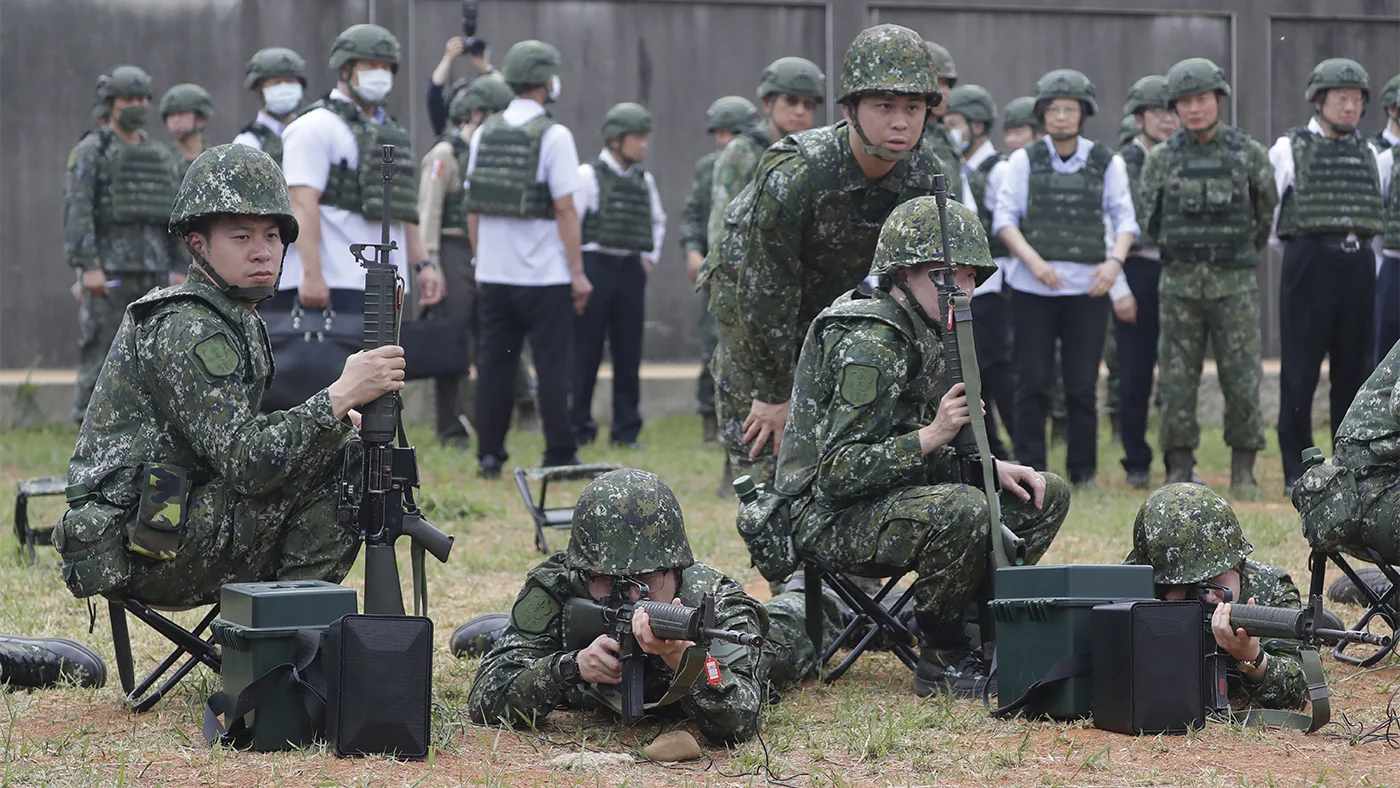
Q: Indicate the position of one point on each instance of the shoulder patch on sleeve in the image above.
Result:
(859, 384)
(534, 611)
(217, 356)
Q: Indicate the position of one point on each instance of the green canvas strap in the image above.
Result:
(692, 665)
(961, 319)
(1320, 702)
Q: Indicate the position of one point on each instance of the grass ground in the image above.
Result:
(866, 729)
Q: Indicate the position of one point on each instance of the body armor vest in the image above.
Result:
(270, 140)
(361, 190)
(1336, 189)
(507, 162)
(977, 181)
(623, 218)
(1064, 211)
(1207, 213)
(1135, 158)
(454, 205)
(140, 182)
(1392, 210)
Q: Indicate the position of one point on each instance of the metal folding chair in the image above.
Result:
(871, 617)
(1384, 605)
(196, 644)
(560, 518)
(25, 534)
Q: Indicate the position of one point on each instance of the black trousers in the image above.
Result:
(991, 332)
(614, 315)
(1137, 357)
(506, 315)
(1326, 306)
(460, 301)
(1080, 323)
(1387, 307)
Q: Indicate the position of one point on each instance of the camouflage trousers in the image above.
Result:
(730, 411)
(1231, 324)
(230, 538)
(795, 656)
(938, 531)
(1379, 493)
(99, 317)
(709, 338)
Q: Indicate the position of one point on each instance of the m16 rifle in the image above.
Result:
(585, 620)
(381, 502)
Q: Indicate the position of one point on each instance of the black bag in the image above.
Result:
(309, 350)
(434, 346)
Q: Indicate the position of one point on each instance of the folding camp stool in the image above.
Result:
(196, 644)
(557, 519)
(1384, 605)
(870, 614)
(33, 488)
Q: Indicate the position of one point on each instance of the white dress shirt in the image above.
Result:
(263, 119)
(587, 200)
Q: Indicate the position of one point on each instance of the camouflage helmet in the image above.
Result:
(1146, 93)
(730, 113)
(627, 522)
(365, 42)
(1067, 83)
(187, 97)
(974, 103)
(943, 62)
(1187, 533)
(123, 81)
(626, 118)
(792, 76)
(1390, 94)
(1019, 111)
(1194, 75)
(236, 179)
(1127, 129)
(912, 235)
(274, 62)
(487, 92)
(531, 63)
(887, 59)
(1338, 72)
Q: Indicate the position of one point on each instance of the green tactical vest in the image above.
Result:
(813, 392)
(140, 183)
(1135, 158)
(507, 162)
(977, 181)
(361, 190)
(270, 140)
(1064, 211)
(1336, 189)
(1392, 211)
(1207, 213)
(454, 205)
(623, 218)
(182, 165)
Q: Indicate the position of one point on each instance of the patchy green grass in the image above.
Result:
(866, 729)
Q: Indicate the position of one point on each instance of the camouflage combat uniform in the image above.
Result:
(694, 217)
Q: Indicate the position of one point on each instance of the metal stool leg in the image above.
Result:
(121, 644)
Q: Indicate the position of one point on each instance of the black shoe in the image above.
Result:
(489, 467)
(476, 637)
(949, 663)
(1344, 591)
(37, 663)
(1139, 480)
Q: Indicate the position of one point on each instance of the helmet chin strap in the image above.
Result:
(878, 151)
(913, 303)
(246, 295)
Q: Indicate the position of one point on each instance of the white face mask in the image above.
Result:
(283, 98)
(960, 139)
(554, 87)
(375, 85)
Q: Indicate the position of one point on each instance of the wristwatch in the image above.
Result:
(566, 669)
(418, 267)
(1248, 666)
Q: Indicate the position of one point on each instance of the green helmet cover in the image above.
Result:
(1187, 534)
(974, 103)
(1127, 129)
(1147, 93)
(913, 235)
(792, 76)
(124, 81)
(1067, 83)
(627, 522)
(626, 118)
(888, 59)
(236, 179)
(274, 62)
(187, 97)
(365, 42)
(531, 63)
(1019, 111)
(1390, 94)
(943, 62)
(1192, 76)
(731, 113)
(487, 92)
(1338, 72)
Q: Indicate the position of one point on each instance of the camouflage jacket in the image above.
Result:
(1283, 685)
(1373, 420)
(734, 168)
(516, 682)
(695, 216)
(181, 386)
(92, 244)
(941, 140)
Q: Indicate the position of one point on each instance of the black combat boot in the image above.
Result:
(1180, 464)
(37, 663)
(949, 663)
(476, 637)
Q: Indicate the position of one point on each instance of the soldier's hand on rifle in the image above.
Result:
(1125, 309)
(598, 664)
(95, 281)
(1235, 642)
(765, 421)
(953, 414)
(431, 286)
(1023, 481)
(670, 651)
(313, 292)
(368, 375)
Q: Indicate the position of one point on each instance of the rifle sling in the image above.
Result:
(692, 665)
(1320, 702)
(972, 379)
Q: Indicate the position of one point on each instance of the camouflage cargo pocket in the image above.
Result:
(1328, 503)
(766, 527)
(91, 540)
(160, 519)
(1219, 194)
(1192, 195)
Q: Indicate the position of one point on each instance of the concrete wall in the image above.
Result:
(674, 55)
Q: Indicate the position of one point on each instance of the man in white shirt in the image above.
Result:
(1056, 199)
(623, 227)
(1330, 209)
(522, 172)
(278, 76)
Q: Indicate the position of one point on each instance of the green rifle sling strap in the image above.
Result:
(972, 380)
(692, 665)
(1320, 702)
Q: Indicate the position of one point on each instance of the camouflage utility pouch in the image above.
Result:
(160, 519)
(765, 523)
(91, 540)
(1328, 503)
(1219, 193)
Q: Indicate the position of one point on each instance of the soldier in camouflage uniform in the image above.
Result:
(278, 76)
(945, 146)
(117, 199)
(1191, 537)
(874, 484)
(628, 524)
(179, 485)
(1208, 197)
(803, 233)
(186, 108)
(724, 120)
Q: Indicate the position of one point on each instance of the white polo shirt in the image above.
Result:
(587, 201)
(529, 252)
(311, 145)
(263, 119)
